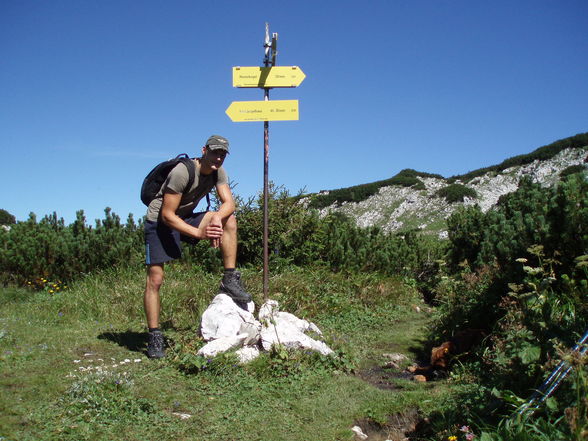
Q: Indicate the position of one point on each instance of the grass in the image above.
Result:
(72, 365)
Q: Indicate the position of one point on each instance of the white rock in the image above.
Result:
(253, 332)
(282, 328)
(182, 416)
(223, 318)
(395, 357)
(222, 344)
(267, 310)
(226, 326)
(247, 354)
(359, 433)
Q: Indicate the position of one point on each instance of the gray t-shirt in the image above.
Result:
(176, 182)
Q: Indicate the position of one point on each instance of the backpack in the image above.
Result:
(156, 177)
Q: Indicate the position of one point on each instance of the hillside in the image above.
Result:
(415, 200)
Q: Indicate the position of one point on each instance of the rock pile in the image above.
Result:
(226, 326)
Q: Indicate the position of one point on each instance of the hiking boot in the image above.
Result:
(232, 286)
(155, 345)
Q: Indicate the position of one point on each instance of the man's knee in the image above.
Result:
(154, 276)
(231, 223)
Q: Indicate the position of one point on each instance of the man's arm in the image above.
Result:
(226, 209)
(170, 204)
(227, 203)
(210, 230)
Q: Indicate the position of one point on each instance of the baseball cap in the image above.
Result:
(216, 142)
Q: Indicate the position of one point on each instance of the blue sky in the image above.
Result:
(94, 93)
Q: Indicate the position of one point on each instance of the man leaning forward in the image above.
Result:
(170, 220)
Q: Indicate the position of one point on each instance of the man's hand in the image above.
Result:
(214, 230)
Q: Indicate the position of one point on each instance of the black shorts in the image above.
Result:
(162, 243)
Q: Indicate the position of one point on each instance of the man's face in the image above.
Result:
(214, 158)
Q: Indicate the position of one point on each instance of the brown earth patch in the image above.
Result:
(398, 427)
(384, 378)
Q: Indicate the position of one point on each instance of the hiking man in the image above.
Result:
(170, 220)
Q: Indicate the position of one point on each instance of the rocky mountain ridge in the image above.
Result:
(395, 208)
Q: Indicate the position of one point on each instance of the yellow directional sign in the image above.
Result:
(276, 76)
(277, 110)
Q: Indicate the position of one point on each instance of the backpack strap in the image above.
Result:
(189, 163)
(215, 178)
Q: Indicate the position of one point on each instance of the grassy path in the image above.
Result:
(69, 373)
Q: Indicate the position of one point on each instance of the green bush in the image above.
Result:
(520, 272)
(6, 218)
(53, 251)
(300, 237)
(465, 228)
(572, 169)
(556, 218)
(49, 250)
(456, 193)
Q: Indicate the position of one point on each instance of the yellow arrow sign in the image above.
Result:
(278, 110)
(276, 76)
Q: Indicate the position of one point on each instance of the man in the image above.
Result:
(170, 220)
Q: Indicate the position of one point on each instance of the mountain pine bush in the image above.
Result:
(456, 193)
(520, 272)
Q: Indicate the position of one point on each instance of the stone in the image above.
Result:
(391, 365)
(282, 328)
(247, 354)
(182, 416)
(253, 332)
(224, 318)
(226, 326)
(222, 344)
(396, 357)
(359, 433)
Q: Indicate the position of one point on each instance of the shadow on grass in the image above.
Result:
(132, 340)
(421, 351)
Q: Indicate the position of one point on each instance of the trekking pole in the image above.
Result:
(554, 380)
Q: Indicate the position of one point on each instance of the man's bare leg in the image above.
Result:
(151, 299)
(231, 283)
(229, 243)
(156, 343)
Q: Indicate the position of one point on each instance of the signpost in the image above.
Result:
(276, 76)
(284, 110)
(267, 77)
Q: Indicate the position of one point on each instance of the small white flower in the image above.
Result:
(137, 360)
(77, 361)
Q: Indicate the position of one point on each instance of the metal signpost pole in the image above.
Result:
(269, 61)
(266, 77)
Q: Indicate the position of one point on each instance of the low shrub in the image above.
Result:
(456, 193)
(572, 169)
